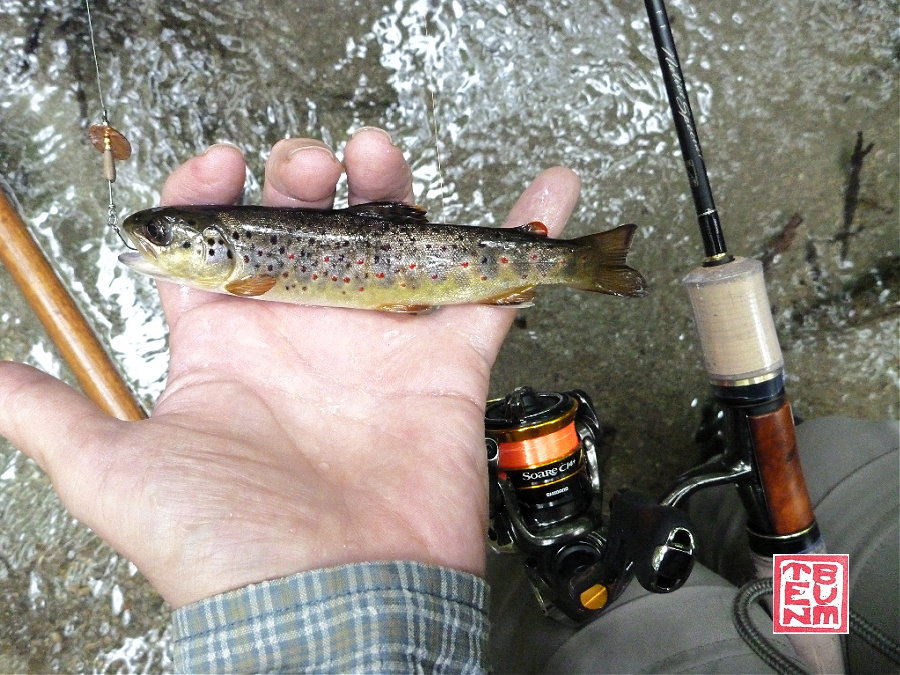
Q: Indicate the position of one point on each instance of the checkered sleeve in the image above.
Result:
(384, 617)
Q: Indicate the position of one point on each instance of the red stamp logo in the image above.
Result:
(811, 594)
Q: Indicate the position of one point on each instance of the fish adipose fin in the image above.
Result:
(393, 212)
(250, 287)
(600, 264)
(519, 298)
(535, 227)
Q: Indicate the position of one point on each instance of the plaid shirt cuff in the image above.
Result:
(385, 617)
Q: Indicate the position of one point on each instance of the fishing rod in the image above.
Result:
(64, 322)
(745, 368)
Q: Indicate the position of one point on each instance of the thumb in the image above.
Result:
(57, 426)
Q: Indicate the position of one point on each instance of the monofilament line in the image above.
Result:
(87, 6)
(437, 142)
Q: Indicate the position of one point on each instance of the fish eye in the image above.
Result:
(158, 233)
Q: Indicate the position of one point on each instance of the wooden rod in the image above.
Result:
(65, 324)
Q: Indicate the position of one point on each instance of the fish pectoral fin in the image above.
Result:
(250, 287)
(519, 298)
(394, 212)
(406, 309)
(535, 227)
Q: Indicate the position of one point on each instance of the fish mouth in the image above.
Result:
(139, 262)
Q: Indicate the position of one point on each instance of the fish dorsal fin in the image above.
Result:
(535, 227)
(250, 287)
(394, 212)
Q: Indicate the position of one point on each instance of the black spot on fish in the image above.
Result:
(270, 268)
(375, 259)
(274, 238)
(229, 254)
(281, 250)
(211, 241)
(235, 235)
(221, 242)
(186, 244)
(385, 247)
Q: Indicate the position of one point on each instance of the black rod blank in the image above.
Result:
(707, 216)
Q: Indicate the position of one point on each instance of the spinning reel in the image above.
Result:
(546, 504)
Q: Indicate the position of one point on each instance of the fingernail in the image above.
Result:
(307, 148)
(222, 144)
(378, 129)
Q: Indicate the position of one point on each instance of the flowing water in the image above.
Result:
(780, 91)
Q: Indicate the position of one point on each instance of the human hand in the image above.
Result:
(288, 438)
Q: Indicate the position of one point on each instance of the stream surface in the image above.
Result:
(780, 91)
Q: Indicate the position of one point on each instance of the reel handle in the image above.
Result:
(656, 538)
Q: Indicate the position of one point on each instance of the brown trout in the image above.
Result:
(381, 255)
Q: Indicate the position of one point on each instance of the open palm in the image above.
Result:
(288, 438)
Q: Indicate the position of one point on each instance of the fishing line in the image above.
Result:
(87, 6)
(106, 139)
(435, 131)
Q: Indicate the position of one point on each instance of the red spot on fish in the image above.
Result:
(360, 261)
(413, 266)
(465, 264)
(291, 256)
(434, 276)
(504, 260)
(346, 280)
(246, 258)
(534, 256)
(380, 275)
(402, 285)
(334, 278)
(362, 288)
(284, 275)
(326, 258)
(315, 276)
(484, 278)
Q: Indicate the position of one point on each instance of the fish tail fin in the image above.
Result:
(600, 264)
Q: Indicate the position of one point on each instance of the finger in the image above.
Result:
(301, 172)
(376, 169)
(215, 177)
(63, 444)
(549, 199)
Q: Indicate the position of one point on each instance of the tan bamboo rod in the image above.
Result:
(65, 324)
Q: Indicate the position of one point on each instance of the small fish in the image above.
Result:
(380, 255)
